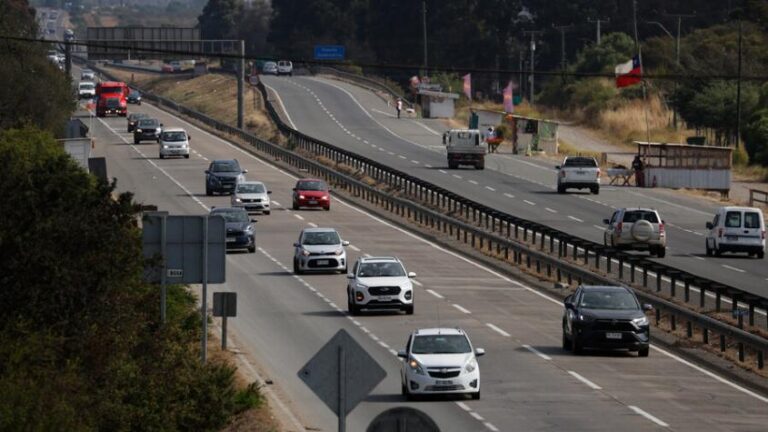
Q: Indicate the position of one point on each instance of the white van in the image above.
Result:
(737, 229)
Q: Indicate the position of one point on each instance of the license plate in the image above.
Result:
(732, 238)
(613, 335)
(228, 186)
(322, 262)
(313, 202)
(581, 172)
(231, 239)
(443, 382)
(384, 298)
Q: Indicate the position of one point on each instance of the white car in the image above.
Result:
(578, 172)
(87, 75)
(269, 68)
(636, 229)
(319, 250)
(174, 142)
(737, 229)
(253, 196)
(86, 90)
(440, 361)
(285, 67)
(379, 283)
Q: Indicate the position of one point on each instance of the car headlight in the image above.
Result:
(158, 130)
(138, 130)
(471, 365)
(301, 196)
(249, 229)
(640, 322)
(166, 147)
(305, 252)
(324, 197)
(237, 200)
(339, 251)
(583, 317)
(361, 286)
(416, 367)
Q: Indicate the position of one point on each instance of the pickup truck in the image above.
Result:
(465, 147)
(578, 172)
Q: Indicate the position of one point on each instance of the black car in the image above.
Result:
(240, 233)
(223, 175)
(134, 97)
(133, 118)
(605, 317)
(147, 129)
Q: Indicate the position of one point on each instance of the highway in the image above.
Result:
(356, 119)
(528, 382)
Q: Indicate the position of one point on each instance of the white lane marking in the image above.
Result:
(435, 294)
(354, 248)
(280, 101)
(473, 182)
(697, 257)
(464, 406)
(298, 216)
(648, 416)
(508, 195)
(461, 309)
(498, 330)
(417, 283)
(529, 202)
(401, 157)
(599, 227)
(392, 153)
(383, 344)
(490, 188)
(457, 176)
(671, 203)
(443, 171)
(575, 218)
(393, 352)
(589, 383)
(428, 165)
(312, 224)
(414, 161)
(476, 416)
(736, 269)
(491, 427)
(550, 210)
(537, 352)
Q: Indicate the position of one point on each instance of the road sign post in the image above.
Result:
(224, 306)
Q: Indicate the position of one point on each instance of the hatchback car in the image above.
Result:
(311, 193)
(253, 196)
(285, 67)
(636, 229)
(379, 283)
(239, 228)
(605, 317)
(174, 142)
(147, 129)
(440, 361)
(134, 118)
(269, 68)
(319, 250)
(86, 90)
(223, 175)
(87, 75)
(134, 97)
(736, 229)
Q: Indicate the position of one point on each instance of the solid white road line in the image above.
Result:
(537, 352)
(285, 110)
(736, 269)
(435, 294)
(648, 416)
(498, 330)
(589, 383)
(417, 283)
(461, 309)
(354, 248)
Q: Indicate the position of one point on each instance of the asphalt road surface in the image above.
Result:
(528, 382)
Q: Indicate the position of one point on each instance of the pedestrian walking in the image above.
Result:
(638, 166)
(399, 106)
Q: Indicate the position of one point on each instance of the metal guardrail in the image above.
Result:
(496, 242)
(757, 196)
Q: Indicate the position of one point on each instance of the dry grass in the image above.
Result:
(564, 148)
(628, 121)
(753, 173)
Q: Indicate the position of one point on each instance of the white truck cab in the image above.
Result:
(465, 147)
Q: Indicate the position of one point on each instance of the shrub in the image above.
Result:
(740, 156)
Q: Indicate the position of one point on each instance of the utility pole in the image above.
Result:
(562, 30)
(520, 71)
(424, 30)
(738, 93)
(677, 55)
(598, 21)
(240, 84)
(533, 34)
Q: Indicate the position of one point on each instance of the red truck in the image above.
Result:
(111, 98)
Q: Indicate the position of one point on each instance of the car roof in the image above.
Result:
(223, 160)
(146, 119)
(270, 63)
(638, 208)
(309, 179)
(378, 259)
(227, 209)
(605, 288)
(314, 230)
(175, 129)
(439, 331)
(253, 182)
(736, 208)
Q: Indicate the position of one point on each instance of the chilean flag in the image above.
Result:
(629, 73)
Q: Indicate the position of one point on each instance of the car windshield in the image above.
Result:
(148, 123)
(232, 215)
(174, 136)
(251, 188)
(321, 238)
(380, 269)
(225, 166)
(636, 215)
(113, 102)
(580, 162)
(311, 186)
(440, 344)
(111, 90)
(87, 86)
(614, 300)
(137, 116)
(134, 94)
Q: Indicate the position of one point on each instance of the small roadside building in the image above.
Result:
(686, 166)
(437, 104)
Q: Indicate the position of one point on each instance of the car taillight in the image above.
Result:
(719, 233)
(618, 227)
(598, 173)
(661, 227)
(562, 173)
(762, 235)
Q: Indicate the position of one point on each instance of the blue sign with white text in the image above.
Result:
(329, 52)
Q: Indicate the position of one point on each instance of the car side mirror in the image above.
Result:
(245, 171)
(345, 243)
(207, 171)
(254, 220)
(411, 275)
(606, 221)
(296, 244)
(402, 354)
(294, 189)
(557, 167)
(647, 307)
(350, 275)
(709, 225)
(269, 192)
(479, 352)
(189, 137)
(161, 125)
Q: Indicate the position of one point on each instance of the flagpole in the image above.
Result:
(642, 75)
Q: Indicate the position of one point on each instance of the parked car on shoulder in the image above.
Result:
(134, 97)
(379, 283)
(439, 361)
(174, 142)
(736, 229)
(578, 172)
(636, 229)
(253, 196)
(311, 193)
(285, 67)
(239, 228)
(605, 317)
(134, 118)
(223, 175)
(319, 250)
(147, 129)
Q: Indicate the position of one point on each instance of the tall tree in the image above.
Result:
(220, 18)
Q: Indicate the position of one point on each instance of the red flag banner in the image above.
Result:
(468, 85)
(629, 73)
(509, 107)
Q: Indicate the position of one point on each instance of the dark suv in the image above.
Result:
(147, 129)
(223, 175)
(239, 227)
(605, 317)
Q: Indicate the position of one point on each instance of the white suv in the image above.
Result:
(319, 249)
(379, 283)
(174, 142)
(285, 67)
(636, 229)
(440, 361)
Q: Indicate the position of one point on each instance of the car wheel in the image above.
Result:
(186, 156)
(578, 349)
(267, 212)
(296, 268)
(295, 205)
(252, 248)
(476, 395)
(595, 190)
(162, 157)
(328, 208)
(661, 252)
(566, 342)
(408, 309)
(760, 254)
(353, 309)
(208, 192)
(403, 389)
(560, 189)
(709, 250)
(135, 141)
(643, 352)
(718, 252)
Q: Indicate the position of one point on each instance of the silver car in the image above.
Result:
(636, 229)
(253, 196)
(320, 250)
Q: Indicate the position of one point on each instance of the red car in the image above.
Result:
(311, 193)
